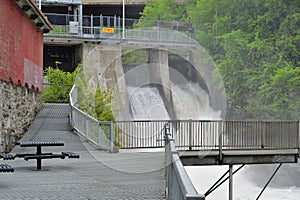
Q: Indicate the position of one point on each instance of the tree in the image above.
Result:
(255, 45)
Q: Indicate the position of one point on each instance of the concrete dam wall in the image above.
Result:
(151, 86)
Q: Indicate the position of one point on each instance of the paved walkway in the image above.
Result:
(96, 175)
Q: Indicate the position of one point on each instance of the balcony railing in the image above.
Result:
(108, 27)
(71, 2)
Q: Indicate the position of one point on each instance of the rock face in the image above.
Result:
(18, 108)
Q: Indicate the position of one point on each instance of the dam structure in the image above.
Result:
(165, 92)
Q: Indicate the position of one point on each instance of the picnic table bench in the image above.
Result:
(6, 168)
(39, 155)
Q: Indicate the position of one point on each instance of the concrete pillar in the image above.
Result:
(159, 74)
(159, 69)
(104, 61)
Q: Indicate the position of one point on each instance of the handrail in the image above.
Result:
(97, 132)
(100, 27)
(178, 184)
(215, 135)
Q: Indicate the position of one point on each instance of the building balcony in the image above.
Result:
(100, 28)
(68, 2)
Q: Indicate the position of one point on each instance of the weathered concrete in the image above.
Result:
(103, 64)
(18, 107)
(160, 74)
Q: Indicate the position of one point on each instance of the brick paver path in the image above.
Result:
(96, 175)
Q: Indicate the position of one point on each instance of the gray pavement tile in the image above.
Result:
(96, 175)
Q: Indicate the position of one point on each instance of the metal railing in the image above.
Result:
(59, 1)
(188, 134)
(178, 183)
(211, 135)
(99, 133)
(140, 134)
(108, 27)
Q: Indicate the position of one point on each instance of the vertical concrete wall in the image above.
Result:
(18, 108)
(103, 63)
(160, 74)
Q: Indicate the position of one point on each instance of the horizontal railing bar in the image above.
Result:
(170, 121)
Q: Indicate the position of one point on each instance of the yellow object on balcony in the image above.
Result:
(108, 30)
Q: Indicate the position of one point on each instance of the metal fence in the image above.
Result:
(99, 133)
(109, 27)
(178, 183)
(188, 134)
(208, 135)
(195, 135)
(140, 134)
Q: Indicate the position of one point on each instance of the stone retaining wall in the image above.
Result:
(18, 108)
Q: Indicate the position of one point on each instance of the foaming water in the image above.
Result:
(249, 181)
(147, 104)
(192, 102)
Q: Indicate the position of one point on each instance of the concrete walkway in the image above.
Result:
(96, 175)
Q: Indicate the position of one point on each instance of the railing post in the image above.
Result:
(264, 130)
(220, 141)
(99, 134)
(190, 135)
(119, 25)
(87, 126)
(92, 24)
(158, 31)
(72, 117)
(115, 22)
(112, 136)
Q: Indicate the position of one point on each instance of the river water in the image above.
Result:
(249, 181)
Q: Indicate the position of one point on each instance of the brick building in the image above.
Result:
(22, 26)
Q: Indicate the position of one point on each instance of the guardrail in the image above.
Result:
(99, 133)
(178, 183)
(188, 134)
(140, 134)
(59, 1)
(211, 135)
(108, 27)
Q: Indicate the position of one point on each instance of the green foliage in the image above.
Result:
(166, 10)
(255, 44)
(103, 107)
(134, 57)
(60, 84)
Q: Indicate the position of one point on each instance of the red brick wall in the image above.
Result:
(21, 47)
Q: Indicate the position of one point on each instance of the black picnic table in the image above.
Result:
(39, 155)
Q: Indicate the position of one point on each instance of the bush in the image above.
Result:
(59, 85)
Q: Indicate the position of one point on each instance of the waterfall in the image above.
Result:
(192, 102)
(147, 104)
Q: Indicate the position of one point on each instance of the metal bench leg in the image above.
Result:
(38, 160)
(39, 164)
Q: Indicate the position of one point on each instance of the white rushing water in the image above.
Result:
(192, 102)
(249, 181)
(146, 104)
